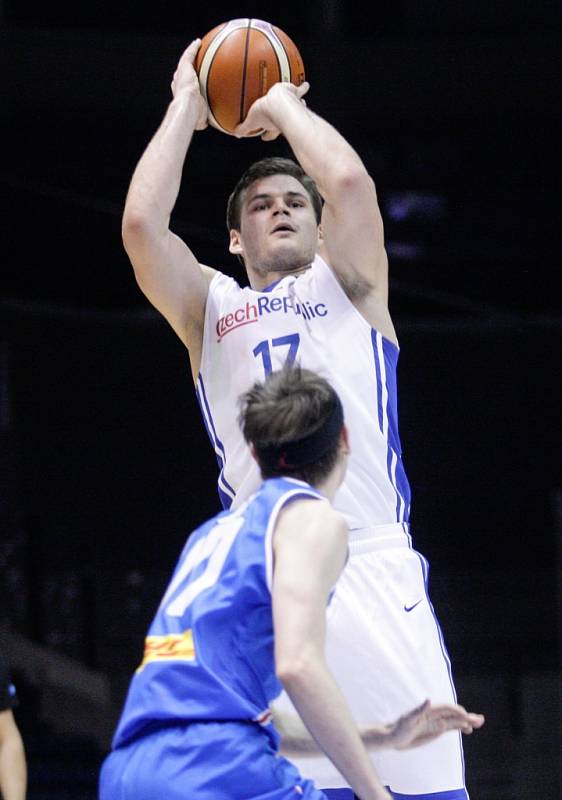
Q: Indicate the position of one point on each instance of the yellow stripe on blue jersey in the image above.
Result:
(209, 650)
(170, 647)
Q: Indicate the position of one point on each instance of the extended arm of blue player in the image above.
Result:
(419, 726)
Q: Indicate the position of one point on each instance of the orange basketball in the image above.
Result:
(238, 62)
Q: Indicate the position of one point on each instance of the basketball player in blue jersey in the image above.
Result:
(244, 610)
(310, 235)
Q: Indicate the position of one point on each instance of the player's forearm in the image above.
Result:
(13, 770)
(297, 740)
(321, 150)
(156, 181)
(295, 737)
(319, 702)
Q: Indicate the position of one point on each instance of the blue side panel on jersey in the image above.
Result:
(226, 492)
(403, 487)
(219, 447)
(391, 361)
(339, 794)
(379, 380)
(399, 480)
(226, 501)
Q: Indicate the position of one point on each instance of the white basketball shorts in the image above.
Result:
(386, 651)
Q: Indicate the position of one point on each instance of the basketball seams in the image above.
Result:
(245, 71)
(281, 54)
(208, 59)
(277, 47)
(276, 54)
(283, 67)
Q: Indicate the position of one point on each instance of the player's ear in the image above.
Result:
(235, 245)
(344, 440)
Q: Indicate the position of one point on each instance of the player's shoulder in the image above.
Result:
(220, 284)
(313, 511)
(369, 307)
(325, 278)
(321, 269)
(334, 520)
(209, 273)
(311, 528)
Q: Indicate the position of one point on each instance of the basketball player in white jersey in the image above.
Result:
(311, 239)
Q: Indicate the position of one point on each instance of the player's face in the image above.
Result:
(278, 229)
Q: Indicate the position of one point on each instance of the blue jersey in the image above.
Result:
(209, 651)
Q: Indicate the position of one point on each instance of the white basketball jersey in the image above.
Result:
(307, 319)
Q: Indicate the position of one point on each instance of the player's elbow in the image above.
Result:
(295, 671)
(135, 228)
(350, 177)
(141, 242)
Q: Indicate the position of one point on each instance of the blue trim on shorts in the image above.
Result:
(347, 794)
(454, 794)
(425, 573)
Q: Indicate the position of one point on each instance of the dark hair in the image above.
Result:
(274, 165)
(289, 406)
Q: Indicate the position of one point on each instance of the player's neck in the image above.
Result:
(260, 281)
(330, 485)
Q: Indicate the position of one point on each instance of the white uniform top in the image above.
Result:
(308, 319)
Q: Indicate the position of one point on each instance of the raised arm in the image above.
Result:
(310, 546)
(352, 228)
(166, 270)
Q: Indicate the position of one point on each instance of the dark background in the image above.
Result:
(455, 109)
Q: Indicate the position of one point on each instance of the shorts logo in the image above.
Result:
(251, 312)
(407, 609)
(170, 647)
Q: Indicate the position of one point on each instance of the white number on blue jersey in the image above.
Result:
(213, 548)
